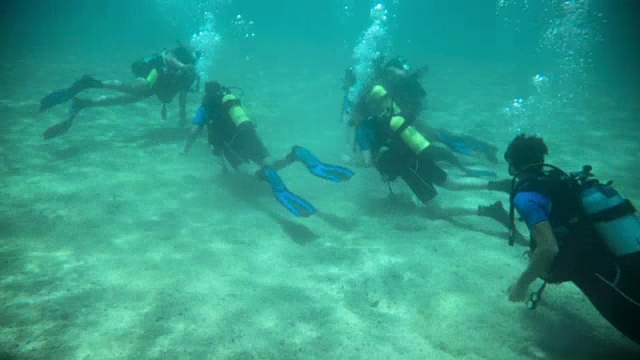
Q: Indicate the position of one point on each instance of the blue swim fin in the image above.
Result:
(329, 172)
(467, 145)
(295, 204)
(64, 95)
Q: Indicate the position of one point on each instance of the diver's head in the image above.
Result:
(525, 151)
(397, 68)
(213, 88)
(185, 55)
(398, 63)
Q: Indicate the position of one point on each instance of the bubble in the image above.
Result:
(368, 49)
(540, 82)
(243, 27)
(205, 42)
(378, 13)
(566, 44)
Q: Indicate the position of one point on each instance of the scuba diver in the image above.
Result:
(232, 135)
(398, 149)
(403, 86)
(582, 231)
(165, 75)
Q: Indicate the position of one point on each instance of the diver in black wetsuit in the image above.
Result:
(581, 231)
(165, 75)
(403, 86)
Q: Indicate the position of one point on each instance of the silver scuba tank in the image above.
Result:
(613, 217)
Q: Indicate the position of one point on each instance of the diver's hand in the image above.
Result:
(518, 292)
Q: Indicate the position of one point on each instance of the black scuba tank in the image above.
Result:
(613, 217)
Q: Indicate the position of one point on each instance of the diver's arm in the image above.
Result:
(544, 254)
(136, 87)
(540, 261)
(191, 138)
(199, 121)
(534, 208)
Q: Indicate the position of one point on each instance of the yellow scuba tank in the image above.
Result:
(381, 101)
(236, 113)
(409, 135)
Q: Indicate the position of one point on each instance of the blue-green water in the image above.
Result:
(113, 245)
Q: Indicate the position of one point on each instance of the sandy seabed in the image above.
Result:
(115, 246)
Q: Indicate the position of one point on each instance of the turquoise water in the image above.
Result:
(113, 245)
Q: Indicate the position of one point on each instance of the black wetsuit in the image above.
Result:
(167, 83)
(238, 144)
(393, 158)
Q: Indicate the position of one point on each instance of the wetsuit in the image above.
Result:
(397, 147)
(236, 140)
(612, 284)
(165, 83)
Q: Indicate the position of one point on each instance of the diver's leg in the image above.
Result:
(457, 184)
(107, 100)
(504, 185)
(138, 87)
(280, 163)
(442, 154)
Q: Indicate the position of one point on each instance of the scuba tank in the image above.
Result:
(411, 137)
(234, 109)
(229, 103)
(613, 217)
(381, 102)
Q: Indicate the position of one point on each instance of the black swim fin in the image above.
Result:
(64, 95)
(316, 167)
(295, 204)
(62, 127)
(55, 98)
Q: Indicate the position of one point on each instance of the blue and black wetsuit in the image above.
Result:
(230, 132)
(611, 283)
